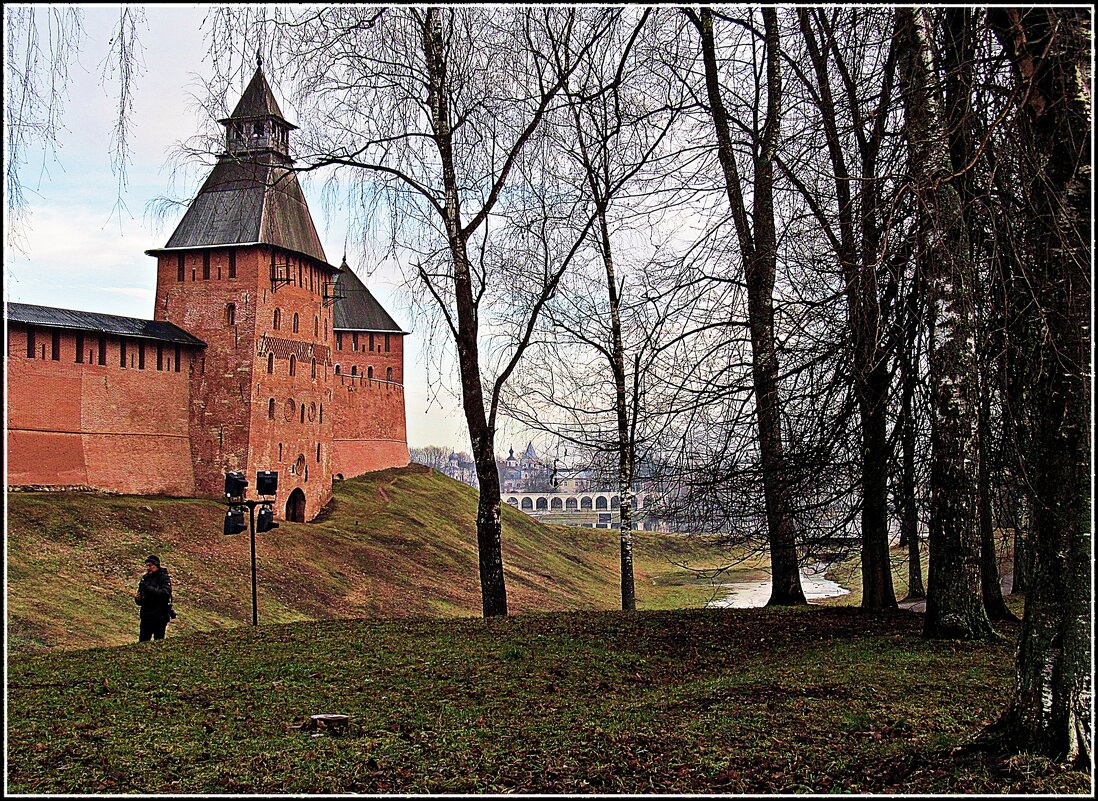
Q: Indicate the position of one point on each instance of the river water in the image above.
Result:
(748, 594)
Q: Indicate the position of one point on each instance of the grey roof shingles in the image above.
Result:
(159, 330)
(258, 101)
(248, 200)
(244, 203)
(358, 309)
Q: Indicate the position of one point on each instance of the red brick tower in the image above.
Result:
(245, 272)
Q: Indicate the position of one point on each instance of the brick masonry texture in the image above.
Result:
(102, 426)
(233, 405)
(268, 391)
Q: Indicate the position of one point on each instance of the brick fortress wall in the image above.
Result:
(105, 426)
(368, 400)
(245, 273)
(230, 406)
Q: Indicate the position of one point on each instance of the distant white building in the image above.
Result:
(463, 470)
(593, 509)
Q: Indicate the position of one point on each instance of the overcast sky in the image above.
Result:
(81, 253)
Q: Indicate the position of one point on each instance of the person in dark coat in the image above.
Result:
(154, 596)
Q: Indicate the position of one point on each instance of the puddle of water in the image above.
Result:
(751, 594)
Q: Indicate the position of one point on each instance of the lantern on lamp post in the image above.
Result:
(266, 483)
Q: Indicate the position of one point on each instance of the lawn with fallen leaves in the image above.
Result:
(810, 700)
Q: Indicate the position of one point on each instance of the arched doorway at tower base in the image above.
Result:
(295, 507)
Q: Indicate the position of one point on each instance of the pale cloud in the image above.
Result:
(72, 256)
(133, 292)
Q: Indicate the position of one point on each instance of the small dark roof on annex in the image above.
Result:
(158, 330)
(358, 309)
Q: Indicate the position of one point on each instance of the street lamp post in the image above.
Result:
(235, 486)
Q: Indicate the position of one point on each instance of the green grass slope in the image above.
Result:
(812, 700)
(398, 543)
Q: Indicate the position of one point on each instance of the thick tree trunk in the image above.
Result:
(954, 607)
(761, 271)
(758, 250)
(877, 590)
(959, 58)
(870, 373)
(482, 438)
(1050, 711)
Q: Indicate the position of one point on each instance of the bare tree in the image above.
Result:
(1051, 52)
(619, 116)
(433, 456)
(36, 76)
(959, 61)
(954, 607)
(859, 249)
(41, 43)
(433, 113)
(758, 249)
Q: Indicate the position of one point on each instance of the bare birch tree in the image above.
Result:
(619, 115)
(434, 111)
(954, 607)
(41, 44)
(1051, 51)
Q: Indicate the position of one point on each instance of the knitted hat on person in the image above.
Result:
(153, 559)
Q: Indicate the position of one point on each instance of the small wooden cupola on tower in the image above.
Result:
(252, 196)
(257, 125)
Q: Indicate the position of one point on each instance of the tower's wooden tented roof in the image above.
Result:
(357, 309)
(249, 203)
(250, 197)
